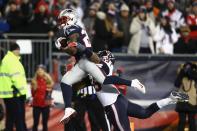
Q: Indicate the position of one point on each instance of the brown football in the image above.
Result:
(63, 42)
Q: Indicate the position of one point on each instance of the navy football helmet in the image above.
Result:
(106, 56)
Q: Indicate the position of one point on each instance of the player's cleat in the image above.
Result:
(179, 96)
(138, 86)
(69, 113)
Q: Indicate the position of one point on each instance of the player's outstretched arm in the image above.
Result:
(117, 80)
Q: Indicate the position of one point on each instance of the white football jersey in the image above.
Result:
(109, 93)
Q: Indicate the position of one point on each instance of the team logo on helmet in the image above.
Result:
(106, 56)
(67, 18)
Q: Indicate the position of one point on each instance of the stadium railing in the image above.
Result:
(144, 57)
(35, 49)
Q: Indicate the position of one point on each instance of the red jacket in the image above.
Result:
(39, 95)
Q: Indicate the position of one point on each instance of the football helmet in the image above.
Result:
(106, 56)
(67, 18)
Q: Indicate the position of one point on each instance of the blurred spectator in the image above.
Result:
(116, 3)
(79, 12)
(105, 27)
(151, 10)
(123, 24)
(89, 21)
(14, 17)
(13, 89)
(142, 29)
(176, 17)
(40, 23)
(184, 5)
(3, 4)
(165, 36)
(192, 20)
(186, 43)
(4, 26)
(41, 87)
(160, 5)
(58, 6)
(27, 11)
(186, 81)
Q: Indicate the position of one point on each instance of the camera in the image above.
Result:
(190, 70)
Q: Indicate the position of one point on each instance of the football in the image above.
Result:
(63, 42)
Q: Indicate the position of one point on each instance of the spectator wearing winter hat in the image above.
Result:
(40, 23)
(142, 29)
(176, 17)
(160, 6)
(105, 29)
(124, 23)
(14, 17)
(151, 10)
(90, 20)
(192, 20)
(58, 6)
(186, 43)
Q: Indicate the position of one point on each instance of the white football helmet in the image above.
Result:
(67, 18)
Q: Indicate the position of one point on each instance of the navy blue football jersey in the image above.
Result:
(82, 39)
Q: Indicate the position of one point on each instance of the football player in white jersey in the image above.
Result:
(118, 108)
(75, 42)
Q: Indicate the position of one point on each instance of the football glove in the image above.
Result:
(138, 86)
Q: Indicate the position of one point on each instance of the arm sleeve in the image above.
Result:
(87, 51)
(135, 27)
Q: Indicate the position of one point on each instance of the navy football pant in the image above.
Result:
(119, 112)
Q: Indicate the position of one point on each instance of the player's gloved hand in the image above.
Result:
(72, 44)
(79, 46)
(138, 86)
(58, 42)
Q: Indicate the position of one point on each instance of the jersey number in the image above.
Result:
(86, 39)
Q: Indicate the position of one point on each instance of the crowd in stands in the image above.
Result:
(128, 26)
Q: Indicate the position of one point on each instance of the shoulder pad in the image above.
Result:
(72, 29)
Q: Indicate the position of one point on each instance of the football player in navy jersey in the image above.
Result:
(75, 42)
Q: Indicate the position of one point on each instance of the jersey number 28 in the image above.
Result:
(86, 39)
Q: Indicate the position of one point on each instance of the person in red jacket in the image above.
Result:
(41, 87)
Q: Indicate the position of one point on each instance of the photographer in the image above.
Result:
(186, 82)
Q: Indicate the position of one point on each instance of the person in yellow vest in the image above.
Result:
(13, 88)
(2, 107)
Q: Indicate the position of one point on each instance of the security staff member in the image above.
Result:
(13, 89)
